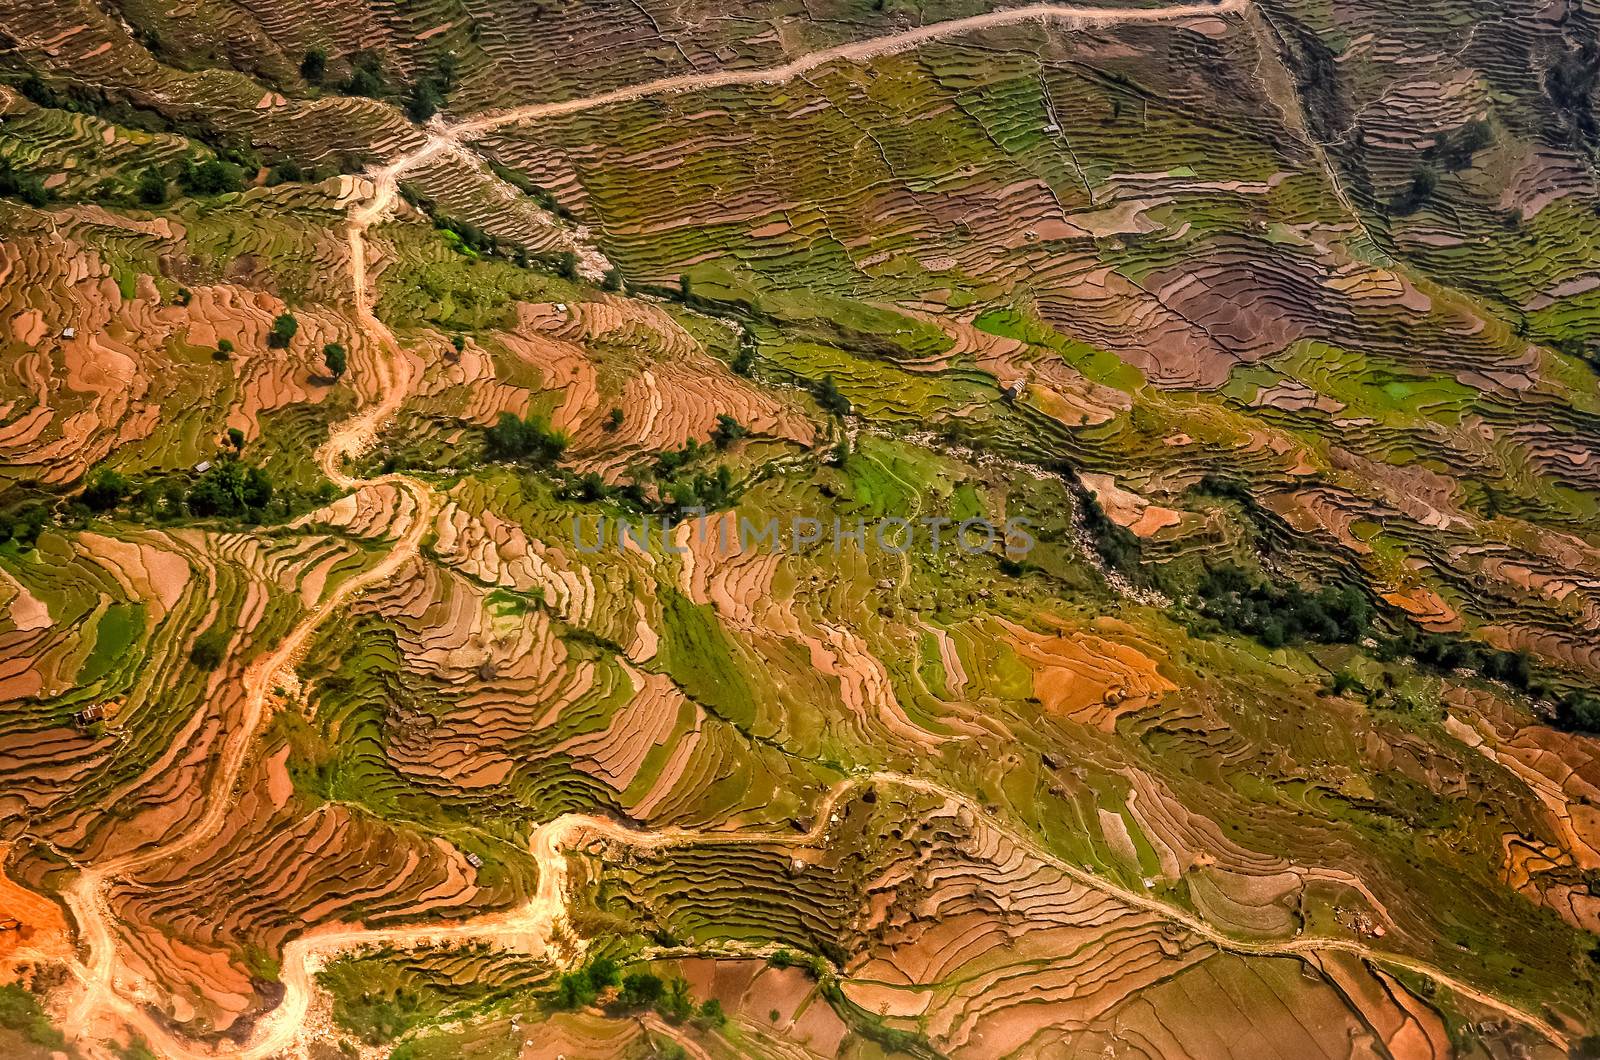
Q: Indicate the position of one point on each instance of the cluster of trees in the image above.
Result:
(1447, 652)
(1274, 615)
(1571, 82)
(367, 78)
(1454, 152)
(21, 1012)
(231, 489)
(431, 90)
(211, 177)
(20, 184)
(633, 992)
(529, 441)
(704, 490)
(1117, 546)
(24, 524)
(228, 489)
(1577, 710)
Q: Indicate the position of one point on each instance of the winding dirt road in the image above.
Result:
(108, 989)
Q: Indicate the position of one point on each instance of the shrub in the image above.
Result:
(614, 420)
(236, 438)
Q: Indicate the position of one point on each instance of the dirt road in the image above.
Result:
(856, 51)
(106, 987)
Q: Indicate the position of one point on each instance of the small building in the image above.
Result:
(474, 860)
(69, 333)
(1013, 390)
(89, 715)
(202, 467)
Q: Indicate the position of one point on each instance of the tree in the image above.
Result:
(224, 350)
(613, 280)
(209, 648)
(1424, 181)
(614, 420)
(333, 356)
(284, 327)
(152, 187)
(567, 266)
(424, 101)
(314, 65)
(236, 438)
(727, 431)
(828, 396)
(675, 1003)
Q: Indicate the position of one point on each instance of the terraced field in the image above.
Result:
(445, 603)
